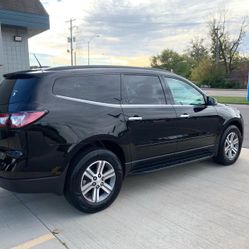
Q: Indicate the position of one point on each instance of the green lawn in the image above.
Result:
(231, 100)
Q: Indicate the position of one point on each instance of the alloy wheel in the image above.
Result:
(231, 146)
(98, 181)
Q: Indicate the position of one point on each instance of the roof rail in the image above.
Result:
(98, 66)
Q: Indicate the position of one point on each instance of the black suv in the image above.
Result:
(81, 130)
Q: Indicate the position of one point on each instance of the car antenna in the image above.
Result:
(38, 61)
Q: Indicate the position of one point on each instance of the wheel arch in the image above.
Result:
(98, 142)
(235, 122)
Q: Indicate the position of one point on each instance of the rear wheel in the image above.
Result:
(94, 181)
(230, 146)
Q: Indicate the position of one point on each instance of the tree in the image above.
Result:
(224, 46)
(220, 65)
(207, 73)
(172, 61)
(197, 50)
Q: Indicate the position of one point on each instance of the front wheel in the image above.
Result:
(94, 181)
(230, 146)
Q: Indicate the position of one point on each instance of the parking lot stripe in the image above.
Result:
(35, 242)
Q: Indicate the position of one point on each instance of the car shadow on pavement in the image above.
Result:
(57, 206)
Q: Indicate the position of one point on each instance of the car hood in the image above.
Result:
(231, 110)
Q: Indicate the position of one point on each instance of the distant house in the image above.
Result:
(239, 76)
(19, 20)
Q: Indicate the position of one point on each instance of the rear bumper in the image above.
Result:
(53, 184)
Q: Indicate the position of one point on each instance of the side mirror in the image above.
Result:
(211, 101)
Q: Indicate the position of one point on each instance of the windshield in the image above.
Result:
(16, 90)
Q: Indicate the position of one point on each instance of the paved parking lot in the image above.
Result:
(244, 109)
(200, 205)
(226, 92)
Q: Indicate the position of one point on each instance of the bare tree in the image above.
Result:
(197, 50)
(225, 46)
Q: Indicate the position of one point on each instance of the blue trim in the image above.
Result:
(27, 20)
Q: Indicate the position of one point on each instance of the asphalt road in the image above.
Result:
(225, 92)
(196, 206)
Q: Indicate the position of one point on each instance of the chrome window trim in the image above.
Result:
(88, 101)
(143, 106)
(112, 105)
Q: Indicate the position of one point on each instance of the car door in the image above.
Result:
(197, 123)
(149, 119)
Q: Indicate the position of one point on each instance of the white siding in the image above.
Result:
(14, 55)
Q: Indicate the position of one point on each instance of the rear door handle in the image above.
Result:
(185, 115)
(135, 118)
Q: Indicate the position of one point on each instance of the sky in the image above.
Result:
(129, 32)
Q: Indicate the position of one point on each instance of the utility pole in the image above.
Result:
(71, 39)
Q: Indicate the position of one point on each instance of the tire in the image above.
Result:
(94, 181)
(224, 157)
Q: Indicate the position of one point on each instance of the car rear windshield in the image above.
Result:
(16, 90)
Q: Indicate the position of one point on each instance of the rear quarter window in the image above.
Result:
(17, 90)
(98, 88)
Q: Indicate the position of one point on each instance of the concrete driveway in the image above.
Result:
(244, 109)
(200, 205)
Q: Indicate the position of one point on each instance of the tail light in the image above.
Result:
(3, 120)
(20, 119)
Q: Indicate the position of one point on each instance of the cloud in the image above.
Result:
(131, 31)
(136, 28)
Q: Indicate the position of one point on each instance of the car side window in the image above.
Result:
(183, 93)
(98, 88)
(142, 89)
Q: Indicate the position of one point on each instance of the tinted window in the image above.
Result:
(99, 88)
(184, 94)
(140, 89)
(16, 90)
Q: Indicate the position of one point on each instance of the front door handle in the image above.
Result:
(185, 115)
(135, 118)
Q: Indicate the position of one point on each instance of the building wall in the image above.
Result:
(14, 56)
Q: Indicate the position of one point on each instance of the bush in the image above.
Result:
(207, 73)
